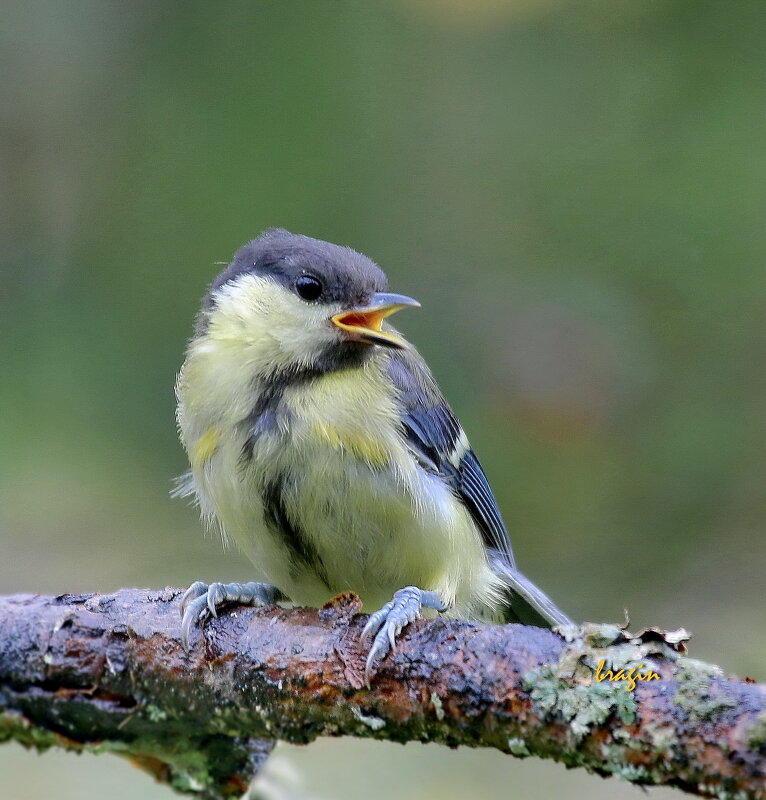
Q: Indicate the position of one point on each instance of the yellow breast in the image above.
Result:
(353, 411)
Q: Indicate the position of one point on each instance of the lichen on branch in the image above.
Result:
(107, 673)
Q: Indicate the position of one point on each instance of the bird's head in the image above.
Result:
(293, 303)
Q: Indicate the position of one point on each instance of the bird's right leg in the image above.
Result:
(201, 600)
(387, 623)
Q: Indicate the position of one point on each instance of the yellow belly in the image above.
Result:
(369, 519)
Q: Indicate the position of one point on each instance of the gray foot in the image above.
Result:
(387, 623)
(201, 600)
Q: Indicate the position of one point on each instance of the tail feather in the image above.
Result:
(527, 604)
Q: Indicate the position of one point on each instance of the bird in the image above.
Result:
(319, 441)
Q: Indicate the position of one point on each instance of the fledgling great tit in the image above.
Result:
(320, 442)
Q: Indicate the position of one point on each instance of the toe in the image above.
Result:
(387, 623)
(376, 620)
(201, 600)
(195, 611)
(393, 631)
(216, 596)
(197, 589)
(378, 652)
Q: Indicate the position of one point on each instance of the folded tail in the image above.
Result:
(526, 603)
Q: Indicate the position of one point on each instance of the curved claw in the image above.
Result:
(215, 597)
(389, 621)
(197, 589)
(376, 620)
(195, 612)
(201, 600)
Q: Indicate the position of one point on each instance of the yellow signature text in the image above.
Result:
(631, 676)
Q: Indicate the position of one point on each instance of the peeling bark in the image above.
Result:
(107, 673)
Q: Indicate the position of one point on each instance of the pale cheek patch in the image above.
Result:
(273, 326)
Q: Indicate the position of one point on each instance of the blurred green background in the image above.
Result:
(575, 192)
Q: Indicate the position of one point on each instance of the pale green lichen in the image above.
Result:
(663, 737)
(518, 747)
(582, 702)
(373, 723)
(15, 727)
(436, 702)
(189, 770)
(698, 695)
(715, 790)
(633, 773)
(755, 735)
(570, 691)
(155, 714)
(578, 686)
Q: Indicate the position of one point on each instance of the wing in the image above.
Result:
(440, 445)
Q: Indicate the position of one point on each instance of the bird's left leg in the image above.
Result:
(387, 623)
(201, 600)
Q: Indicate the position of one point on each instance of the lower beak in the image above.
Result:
(364, 324)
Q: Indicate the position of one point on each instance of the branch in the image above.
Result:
(107, 673)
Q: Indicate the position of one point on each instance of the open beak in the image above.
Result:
(364, 324)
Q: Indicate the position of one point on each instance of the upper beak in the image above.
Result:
(364, 324)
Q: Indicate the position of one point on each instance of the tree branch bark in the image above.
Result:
(107, 673)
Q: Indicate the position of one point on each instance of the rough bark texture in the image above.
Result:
(107, 673)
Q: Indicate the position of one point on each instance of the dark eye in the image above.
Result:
(308, 287)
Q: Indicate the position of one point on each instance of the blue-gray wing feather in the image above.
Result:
(436, 439)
